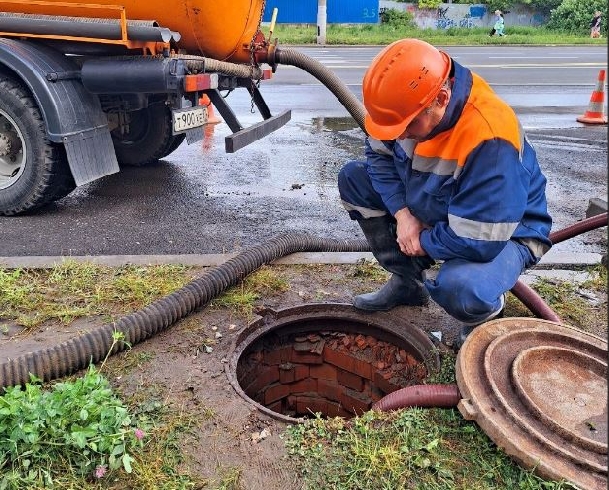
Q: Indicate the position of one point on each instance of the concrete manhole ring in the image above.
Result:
(539, 390)
(326, 357)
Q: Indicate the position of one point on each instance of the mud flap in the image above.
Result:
(91, 155)
(73, 116)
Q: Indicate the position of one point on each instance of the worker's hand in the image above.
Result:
(408, 231)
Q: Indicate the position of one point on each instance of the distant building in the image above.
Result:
(338, 11)
(447, 15)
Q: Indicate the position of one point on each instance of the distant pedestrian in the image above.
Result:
(595, 25)
(499, 24)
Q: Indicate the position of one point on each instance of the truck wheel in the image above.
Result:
(173, 144)
(33, 170)
(149, 137)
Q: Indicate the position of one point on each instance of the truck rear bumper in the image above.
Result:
(147, 75)
(256, 131)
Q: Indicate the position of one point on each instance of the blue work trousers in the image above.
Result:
(468, 291)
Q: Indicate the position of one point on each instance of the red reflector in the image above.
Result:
(202, 81)
(267, 73)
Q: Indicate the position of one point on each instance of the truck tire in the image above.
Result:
(173, 144)
(149, 139)
(33, 170)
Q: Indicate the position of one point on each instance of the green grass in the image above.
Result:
(78, 433)
(382, 34)
(427, 449)
(433, 449)
(229, 478)
(78, 428)
(598, 279)
(242, 298)
(414, 448)
(367, 269)
(159, 465)
(74, 290)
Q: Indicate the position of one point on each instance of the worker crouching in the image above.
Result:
(449, 176)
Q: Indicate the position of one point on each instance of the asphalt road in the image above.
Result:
(520, 66)
(201, 200)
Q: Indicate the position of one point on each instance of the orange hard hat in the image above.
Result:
(401, 81)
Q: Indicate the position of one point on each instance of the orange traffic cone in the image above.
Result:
(596, 109)
(211, 115)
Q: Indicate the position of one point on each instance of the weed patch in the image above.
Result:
(431, 449)
(81, 426)
(242, 298)
(73, 290)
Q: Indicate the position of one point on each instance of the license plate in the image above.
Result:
(184, 119)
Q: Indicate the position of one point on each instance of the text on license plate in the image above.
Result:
(189, 118)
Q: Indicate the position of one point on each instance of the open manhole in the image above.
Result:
(539, 390)
(327, 358)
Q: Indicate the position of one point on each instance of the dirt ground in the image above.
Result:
(185, 367)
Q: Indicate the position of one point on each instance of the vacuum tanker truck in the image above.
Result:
(88, 87)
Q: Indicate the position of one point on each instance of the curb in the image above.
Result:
(553, 259)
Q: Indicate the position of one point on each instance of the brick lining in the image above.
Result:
(334, 373)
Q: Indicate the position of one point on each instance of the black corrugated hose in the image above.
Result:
(91, 347)
(79, 352)
(328, 78)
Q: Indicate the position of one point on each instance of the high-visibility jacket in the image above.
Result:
(476, 182)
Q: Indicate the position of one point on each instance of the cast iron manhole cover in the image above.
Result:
(539, 390)
(327, 358)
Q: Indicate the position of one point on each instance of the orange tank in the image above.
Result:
(219, 29)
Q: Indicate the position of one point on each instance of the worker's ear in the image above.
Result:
(443, 97)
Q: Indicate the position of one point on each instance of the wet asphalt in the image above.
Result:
(201, 200)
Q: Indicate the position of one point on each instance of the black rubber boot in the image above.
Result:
(405, 287)
(468, 328)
